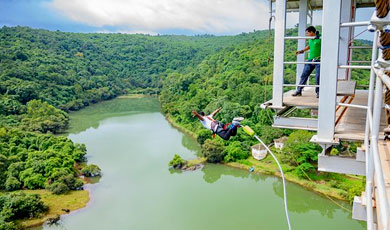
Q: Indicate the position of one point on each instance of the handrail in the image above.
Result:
(360, 47)
(353, 105)
(384, 77)
(294, 85)
(301, 62)
(368, 131)
(350, 24)
(374, 162)
(354, 67)
(298, 37)
(359, 61)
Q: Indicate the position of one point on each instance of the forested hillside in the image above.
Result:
(71, 70)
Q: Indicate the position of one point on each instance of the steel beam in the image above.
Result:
(342, 165)
(295, 123)
(280, 30)
(329, 68)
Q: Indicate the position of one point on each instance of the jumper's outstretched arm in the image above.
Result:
(215, 112)
(196, 114)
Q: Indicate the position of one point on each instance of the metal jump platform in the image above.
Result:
(344, 112)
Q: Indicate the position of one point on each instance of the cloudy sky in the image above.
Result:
(189, 17)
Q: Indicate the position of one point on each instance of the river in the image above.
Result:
(132, 143)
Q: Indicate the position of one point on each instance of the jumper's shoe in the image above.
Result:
(296, 93)
(236, 121)
(318, 96)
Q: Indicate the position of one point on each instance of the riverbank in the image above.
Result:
(58, 205)
(268, 166)
(180, 127)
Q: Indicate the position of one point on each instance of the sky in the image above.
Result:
(188, 17)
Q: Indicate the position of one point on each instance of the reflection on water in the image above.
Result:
(90, 116)
(137, 191)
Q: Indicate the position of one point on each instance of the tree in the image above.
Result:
(43, 117)
(213, 150)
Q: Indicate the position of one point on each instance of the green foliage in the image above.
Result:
(73, 70)
(300, 152)
(31, 160)
(213, 150)
(43, 118)
(203, 135)
(235, 151)
(63, 180)
(20, 205)
(8, 225)
(91, 170)
(12, 184)
(58, 188)
(177, 162)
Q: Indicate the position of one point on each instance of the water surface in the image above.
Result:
(132, 143)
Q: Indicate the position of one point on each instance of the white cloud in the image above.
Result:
(200, 16)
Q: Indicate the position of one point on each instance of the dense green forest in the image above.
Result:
(45, 74)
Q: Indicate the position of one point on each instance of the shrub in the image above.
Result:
(20, 205)
(63, 177)
(203, 135)
(213, 150)
(8, 225)
(356, 190)
(58, 188)
(235, 151)
(12, 184)
(300, 152)
(177, 162)
(91, 171)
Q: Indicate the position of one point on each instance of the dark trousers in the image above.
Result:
(225, 133)
(307, 70)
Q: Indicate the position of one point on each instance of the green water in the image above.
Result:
(132, 142)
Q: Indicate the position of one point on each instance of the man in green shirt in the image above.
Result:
(314, 48)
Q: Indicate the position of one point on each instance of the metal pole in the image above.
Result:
(355, 67)
(369, 162)
(352, 105)
(374, 56)
(379, 179)
(348, 24)
(329, 69)
(298, 38)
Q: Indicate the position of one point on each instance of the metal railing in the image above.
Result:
(374, 171)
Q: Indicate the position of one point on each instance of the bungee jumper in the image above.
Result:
(225, 131)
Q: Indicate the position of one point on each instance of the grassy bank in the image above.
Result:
(180, 127)
(72, 201)
(132, 96)
(268, 166)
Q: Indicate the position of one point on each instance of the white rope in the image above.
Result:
(284, 182)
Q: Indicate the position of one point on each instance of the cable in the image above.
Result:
(251, 133)
(284, 182)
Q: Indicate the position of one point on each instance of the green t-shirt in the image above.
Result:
(315, 49)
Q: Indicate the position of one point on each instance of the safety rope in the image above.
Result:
(382, 8)
(384, 40)
(284, 182)
(252, 133)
